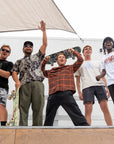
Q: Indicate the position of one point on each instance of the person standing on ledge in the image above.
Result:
(91, 87)
(31, 81)
(108, 65)
(62, 88)
(5, 72)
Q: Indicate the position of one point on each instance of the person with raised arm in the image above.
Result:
(30, 81)
(62, 88)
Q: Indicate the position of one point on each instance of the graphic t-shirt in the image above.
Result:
(108, 65)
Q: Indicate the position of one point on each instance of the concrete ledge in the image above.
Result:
(51, 135)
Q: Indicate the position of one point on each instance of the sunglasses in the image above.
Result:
(5, 50)
(28, 46)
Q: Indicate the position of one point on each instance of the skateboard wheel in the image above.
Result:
(9, 98)
(7, 124)
(52, 64)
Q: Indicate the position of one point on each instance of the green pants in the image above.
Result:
(31, 94)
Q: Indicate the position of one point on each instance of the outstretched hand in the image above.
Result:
(47, 58)
(70, 50)
(43, 26)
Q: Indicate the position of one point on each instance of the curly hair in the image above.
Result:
(105, 40)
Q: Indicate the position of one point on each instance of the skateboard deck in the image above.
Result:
(15, 96)
(53, 57)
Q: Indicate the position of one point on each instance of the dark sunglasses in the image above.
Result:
(5, 50)
(28, 46)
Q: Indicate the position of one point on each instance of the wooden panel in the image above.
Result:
(64, 136)
(57, 136)
(7, 136)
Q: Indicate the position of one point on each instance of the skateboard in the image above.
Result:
(53, 57)
(15, 96)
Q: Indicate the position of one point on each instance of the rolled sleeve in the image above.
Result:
(40, 55)
(16, 66)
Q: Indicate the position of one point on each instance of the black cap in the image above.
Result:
(28, 42)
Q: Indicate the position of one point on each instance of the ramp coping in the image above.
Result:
(56, 127)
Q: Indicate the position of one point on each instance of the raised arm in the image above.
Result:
(44, 45)
(79, 61)
(45, 72)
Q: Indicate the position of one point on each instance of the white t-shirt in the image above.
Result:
(88, 72)
(108, 65)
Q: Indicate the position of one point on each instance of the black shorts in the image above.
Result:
(111, 89)
(90, 93)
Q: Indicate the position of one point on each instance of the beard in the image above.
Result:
(28, 52)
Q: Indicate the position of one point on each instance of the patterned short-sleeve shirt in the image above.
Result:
(29, 68)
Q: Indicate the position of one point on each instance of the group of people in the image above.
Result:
(89, 75)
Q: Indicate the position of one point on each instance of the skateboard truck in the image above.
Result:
(10, 122)
(12, 95)
(73, 57)
(51, 62)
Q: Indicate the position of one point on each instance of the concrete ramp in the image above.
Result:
(57, 136)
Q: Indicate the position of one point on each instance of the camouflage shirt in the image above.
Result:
(29, 68)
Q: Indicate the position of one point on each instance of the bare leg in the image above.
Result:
(88, 112)
(105, 110)
(3, 113)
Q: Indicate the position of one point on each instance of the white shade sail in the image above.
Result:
(19, 15)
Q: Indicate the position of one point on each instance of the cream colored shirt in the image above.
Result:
(88, 72)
